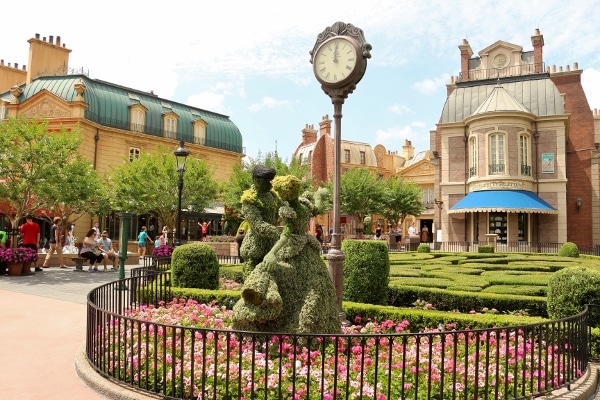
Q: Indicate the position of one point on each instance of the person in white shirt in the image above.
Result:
(412, 231)
(107, 251)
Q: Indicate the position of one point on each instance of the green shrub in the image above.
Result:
(569, 249)
(423, 248)
(570, 289)
(195, 266)
(366, 271)
(485, 249)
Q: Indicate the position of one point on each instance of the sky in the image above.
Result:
(250, 60)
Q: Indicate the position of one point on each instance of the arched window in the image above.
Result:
(472, 156)
(524, 154)
(496, 151)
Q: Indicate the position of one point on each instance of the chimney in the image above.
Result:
(325, 126)
(465, 54)
(51, 39)
(58, 41)
(537, 40)
(309, 134)
(408, 151)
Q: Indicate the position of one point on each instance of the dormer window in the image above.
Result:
(200, 132)
(137, 117)
(170, 125)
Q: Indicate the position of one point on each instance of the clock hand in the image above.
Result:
(335, 53)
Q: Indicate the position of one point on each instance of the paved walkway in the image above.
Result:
(42, 327)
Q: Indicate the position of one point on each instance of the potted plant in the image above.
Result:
(18, 259)
(162, 251)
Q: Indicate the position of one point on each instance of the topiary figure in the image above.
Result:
(290, 290)
(423, 248)
(570, 289)
(259, 208)
(195, 266)
(366, 271)
(569, 249)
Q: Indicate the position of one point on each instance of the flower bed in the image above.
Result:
(165, 349)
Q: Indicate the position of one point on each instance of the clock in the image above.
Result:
(337, 61)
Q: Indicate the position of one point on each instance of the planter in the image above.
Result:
(15, 269)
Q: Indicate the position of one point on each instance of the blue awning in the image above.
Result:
(512, 201)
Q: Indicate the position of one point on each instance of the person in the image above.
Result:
(319, 233)
(425, 234)
(56, 244)
(96, 229)
(151, 230)
(239, 239)
(330, 234)
(205, 230)
(165, 233)
(30, 237)
(107, 251)
(412, 231)
(142, 238)
(90, 250)
(377, 233)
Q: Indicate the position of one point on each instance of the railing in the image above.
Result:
(495, 73)
(525, 170)
(180, 362)
(497, 168)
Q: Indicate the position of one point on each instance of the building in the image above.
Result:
(516, 151)
(118, 123)
(317, 151)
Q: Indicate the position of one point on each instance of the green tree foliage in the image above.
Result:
(362, 194)
(43, 171)
(366, 271)
(401, 198)
(570, 289)
(195, 266)
(241, 176)
(149, 185)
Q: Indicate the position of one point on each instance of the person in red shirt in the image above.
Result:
(30, 236)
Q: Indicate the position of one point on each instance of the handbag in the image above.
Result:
(96, 252)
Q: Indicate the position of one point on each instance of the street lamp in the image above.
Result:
(180, 158)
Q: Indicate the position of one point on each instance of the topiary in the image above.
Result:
(570, 289)
(423, 248)
(569, 249)
(366, 271)
(195, 266)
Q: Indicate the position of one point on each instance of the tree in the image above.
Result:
(42, 171)
(149, 185)
(361, 194)
(401, 198)
(241, 176)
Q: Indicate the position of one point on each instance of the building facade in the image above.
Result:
(117, 123)
(516, 151)
(317, 151)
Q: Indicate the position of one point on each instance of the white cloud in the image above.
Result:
(400, 109)
(389, 134)
(269, 102)
(591, 86)
(429, 86)
(210, 101)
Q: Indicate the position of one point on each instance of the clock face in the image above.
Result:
(335, 60)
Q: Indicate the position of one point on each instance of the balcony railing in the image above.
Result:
(472, 172)
(525, 170)
(495, 73)
(497, 169)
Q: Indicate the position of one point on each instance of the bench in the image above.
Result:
(77, 259)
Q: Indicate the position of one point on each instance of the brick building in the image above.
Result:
(516, 150)
(317, 150)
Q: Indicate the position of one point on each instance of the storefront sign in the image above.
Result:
(497, 185)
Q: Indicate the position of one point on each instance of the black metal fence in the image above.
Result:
(186, 362)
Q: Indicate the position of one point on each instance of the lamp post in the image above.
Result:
(180, 158)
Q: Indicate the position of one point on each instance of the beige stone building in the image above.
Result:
(117, 123)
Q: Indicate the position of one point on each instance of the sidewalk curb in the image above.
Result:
(109, 388)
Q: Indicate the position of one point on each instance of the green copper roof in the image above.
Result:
(109, 105)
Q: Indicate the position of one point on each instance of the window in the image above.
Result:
(138, 116)
(199, 133)
(473, 157)
(2, 111)
(346, 156)
(309, 158)
(496, 165)
(427, 198)
(524, 155)
(134, 153)
(362, 158)
(523, 226)
(170, 127)
(498, 222)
